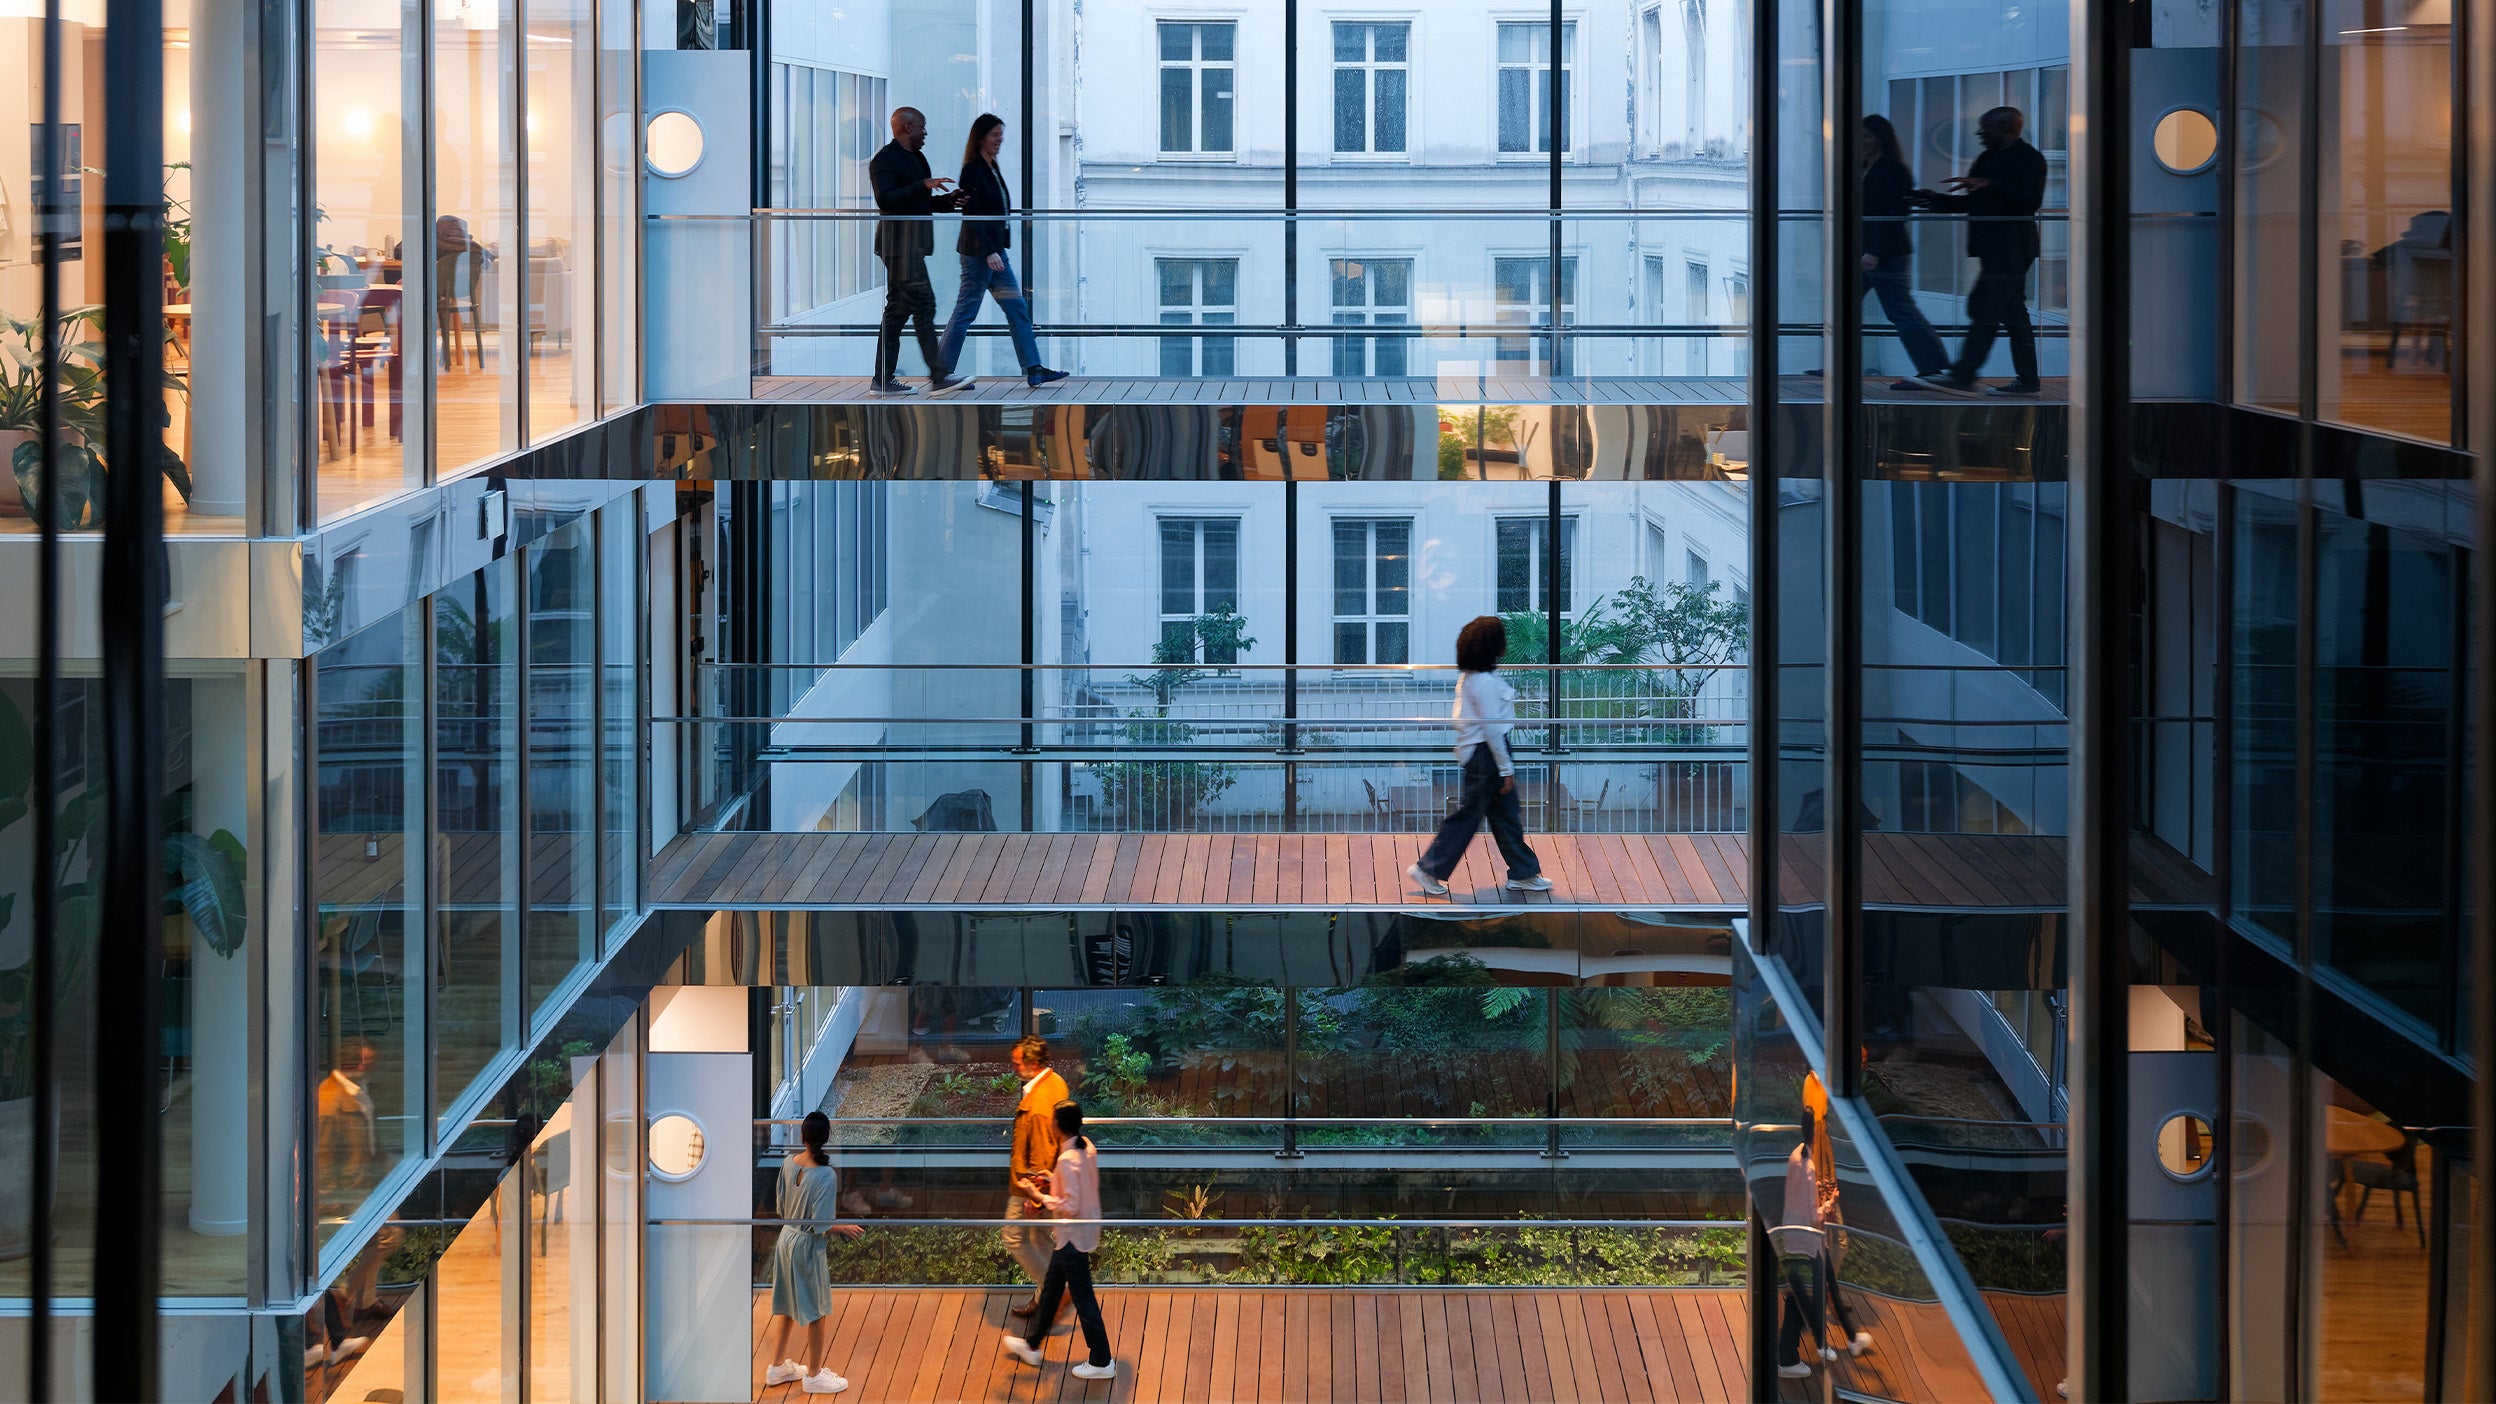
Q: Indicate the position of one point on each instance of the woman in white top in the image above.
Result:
(1073, 1194)
(1486, 707)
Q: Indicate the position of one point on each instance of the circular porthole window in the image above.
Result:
(2185, 141)
(676, 1146)
(672, 144)
(2184, 1146)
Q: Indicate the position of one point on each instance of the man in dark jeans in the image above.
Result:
(2000, 193)
(906, 190)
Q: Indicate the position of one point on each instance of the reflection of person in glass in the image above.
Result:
(2000, 193)
(1801, 1238)
(1486, 709)
(1823, 1162)
(1888, 247)
(801, 1283)
(349, 1141)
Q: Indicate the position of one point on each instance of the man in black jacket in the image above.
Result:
(2001, 192)
(905, 189)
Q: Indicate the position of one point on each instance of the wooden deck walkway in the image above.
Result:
(1643, 872)
(1458, 389)
(1246, 1345)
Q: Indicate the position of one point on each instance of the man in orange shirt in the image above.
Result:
(1036, 1144)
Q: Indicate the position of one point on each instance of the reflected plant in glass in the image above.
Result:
(79, 405)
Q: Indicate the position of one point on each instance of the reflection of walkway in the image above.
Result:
(1452, 388)
(1703, 872)
(1215, 1345)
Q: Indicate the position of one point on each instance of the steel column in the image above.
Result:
(2100, 701)
(129, 937)
(1841, 421)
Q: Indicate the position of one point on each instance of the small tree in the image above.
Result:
(1168, 793)
(1693, 634)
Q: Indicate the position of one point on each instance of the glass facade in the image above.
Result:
(1990, 548)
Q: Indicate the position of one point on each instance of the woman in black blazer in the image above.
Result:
(985, 238)
(1888, 249)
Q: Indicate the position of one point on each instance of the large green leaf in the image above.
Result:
(211, 890)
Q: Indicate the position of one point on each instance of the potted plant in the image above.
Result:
(80, 403)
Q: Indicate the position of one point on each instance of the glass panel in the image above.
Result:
(620, 614)
(559, 1173)
(368, 211)
(2263, 674)
(478, 1313)
(1433, 1039)
(563, 844)
(2390, 256)
(619, 171)
(477, 813)
(368, 862)
(475, 240)
(620, 1161)
(2269, 169)
(561, 126)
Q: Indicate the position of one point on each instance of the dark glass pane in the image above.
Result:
(1390, 109)
(1351, 116)
(1221, 279)
(1350, 43)
(1217, 82)
(1218, 359)
(1516, 106)
(1221, 566)
(1977, 530)
(1177, 121)
(1391, 281)
(1178, 564)
(1394, 643)
(1176, 355)
(1351, 567)
(1516, 565)
(1388, 41)
(1214, 42)
(1568, 558)
(1350, 641)
(1178, 41)
(1395, 567)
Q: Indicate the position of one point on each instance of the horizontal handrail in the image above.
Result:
(1398, 215)
(1006, 1123)
(1168, 1223)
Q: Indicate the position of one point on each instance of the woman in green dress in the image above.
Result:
(801, 1284)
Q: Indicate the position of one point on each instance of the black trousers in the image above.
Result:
(1999, 301)
(908, 297)
(1070, 1274)
(1801, 1277)
(1482, 801)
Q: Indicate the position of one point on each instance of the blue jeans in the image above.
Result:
(1482, 800)
(1923, 345)
(978, 278)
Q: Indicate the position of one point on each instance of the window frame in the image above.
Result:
(1538, 142)
(1538, 574)
(1197, 311)
(1368, 312)
(1196, 523)
(1196, 66)
(1559, 314)
(1370, 67)
(1370, 619)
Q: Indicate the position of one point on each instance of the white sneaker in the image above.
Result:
(1089, 1371)
(1796, 1371)
(314, 1355)
(1537, 883)
(1020, 1349)
(823, 1382)
(784, 1372)
(1430, 886)
(1862, 1344)
(1828, 1353)
(2062, 1388)
(351, 1347)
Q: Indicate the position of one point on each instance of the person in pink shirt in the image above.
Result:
(1073, 1194)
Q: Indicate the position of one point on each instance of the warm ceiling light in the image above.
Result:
(359, 123)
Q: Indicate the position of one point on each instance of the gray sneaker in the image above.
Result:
(1430, 886)
(947, 384)
(891, 387)
(1536, 883)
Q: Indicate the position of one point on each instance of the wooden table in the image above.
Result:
(2353, 1133)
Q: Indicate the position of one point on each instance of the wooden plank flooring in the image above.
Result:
(1246, 1345)
(1329, 390)
(1646, 872)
